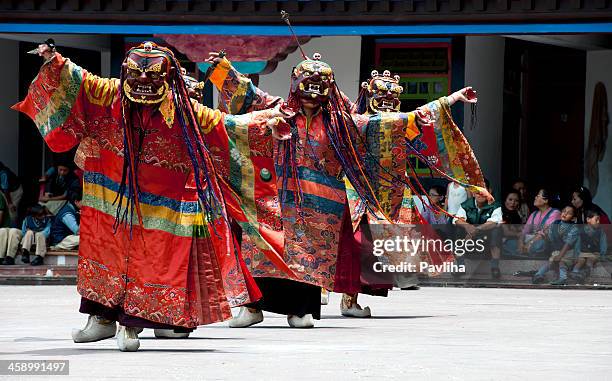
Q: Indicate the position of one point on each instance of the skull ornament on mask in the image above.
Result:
(146, 71)
(383, 92)
(311, 81)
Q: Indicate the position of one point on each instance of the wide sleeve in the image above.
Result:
(63, 99)
(241, 147)
(383, 146)
(237, 93)
(449, 150)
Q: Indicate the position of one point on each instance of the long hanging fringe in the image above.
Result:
(128, 197)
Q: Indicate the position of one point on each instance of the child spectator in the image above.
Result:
(9, 244)
(36, 229)
(66, 224)
(593, 244)
(561, 236)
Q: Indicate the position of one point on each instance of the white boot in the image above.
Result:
(127, 339)
(246, 318)
(350, 308)
(170, 334)
(96, 329)
(324, 297)
(300, 322)
(356, 311)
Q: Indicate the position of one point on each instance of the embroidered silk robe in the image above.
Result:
(169, 269)
(309, 230)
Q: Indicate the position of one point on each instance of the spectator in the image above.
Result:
(477, 211)
(582, 201)
(532, 240)
(455, 196)
(433, 214)
(510, 208)
(12, 190)
(593, 245)
(512, 222)
(36, 229)
(523, 210)
(58, 183)
(7, 251)
(5, 218)
(562, 236)
(65, 226)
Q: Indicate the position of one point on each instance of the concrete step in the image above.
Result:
(40, 271)
(517, 283)
(479, 270)
(64, 258)
(33, 280)
(56, 257)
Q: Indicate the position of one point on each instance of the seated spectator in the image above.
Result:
(562, 236)
(582, 201)
(5, 217)
(532, 240)
(9, 244)
(523, 210)
(455, 196)
(511, 220)
(510, 208)
(592, 243)
(36, 229)
(58, 183)
(434, 214)
(65, 226)
(8, 248)
(477, 211)
(11, 190)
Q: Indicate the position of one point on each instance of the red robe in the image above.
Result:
(169, 270)
(312, 230)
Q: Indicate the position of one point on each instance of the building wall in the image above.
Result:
(341, 52)
(598, 70)
(9, 119)
(484, 71)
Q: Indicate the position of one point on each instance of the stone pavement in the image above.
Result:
(430, 334)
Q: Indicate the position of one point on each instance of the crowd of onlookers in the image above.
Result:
(52, 221)
(572, 236)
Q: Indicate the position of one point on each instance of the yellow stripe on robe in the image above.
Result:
(106, 195)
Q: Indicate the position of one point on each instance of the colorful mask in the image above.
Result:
(383, 92)
(146, 71)
(311, 81)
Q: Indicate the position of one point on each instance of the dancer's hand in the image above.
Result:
(281, 130)
(422, 118)
(465, 95)
(482, 192)
(213, 58)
